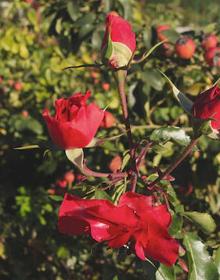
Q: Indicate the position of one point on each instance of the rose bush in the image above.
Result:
(35, 57)
(136, 220)
(75, 123)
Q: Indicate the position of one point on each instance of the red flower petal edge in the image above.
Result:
(135, 220)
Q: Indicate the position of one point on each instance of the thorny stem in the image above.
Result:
(182, 156)
(121, 77)
(143, 154)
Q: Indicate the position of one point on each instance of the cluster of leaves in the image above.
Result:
(36, 44)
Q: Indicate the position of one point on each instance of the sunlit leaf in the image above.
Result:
(170, 133)
(201, 265)
(184, 101)
(203, 220)
(76, 156)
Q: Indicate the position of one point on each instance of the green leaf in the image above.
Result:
(176, 226)
(217, 259)
(73, 10)
(153, 78)
(183, 100)
(76, 156)
(23, 51)
(29, 147)
(165, 150)
(201, 266)
(125, 160)
(147, 53)
(100, 194)
(165, 273)
(171, 35)
(58, 25)
(203, 220)
(108, 49)
(56, 197)
(170, 133)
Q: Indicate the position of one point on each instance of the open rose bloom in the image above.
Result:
(135, 221)
(75, 123)
(207, 105)
(119, 41)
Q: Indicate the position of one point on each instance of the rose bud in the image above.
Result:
(210, 41)
(115, 164)
(69, 177)
(119, 41)
(108, 120)
(75, 123)
(207, 105)
(212, 57)
(185, 47)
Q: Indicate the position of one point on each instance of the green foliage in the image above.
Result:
(201, 264)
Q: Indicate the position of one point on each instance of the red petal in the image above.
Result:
(135, 201)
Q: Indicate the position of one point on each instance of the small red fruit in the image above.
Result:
(69, 177)
(115, 164)
(1, 79)
(61, 183)
(11, 82)
(18, 86)
(94, 75)
(51, 191)
(160, 29)
(106, 86)
(210, 41)
(108, 120)
(25, 113)
(167, 48)
(212, 57)
(185, 47)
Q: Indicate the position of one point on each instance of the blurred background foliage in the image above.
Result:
(37, 40)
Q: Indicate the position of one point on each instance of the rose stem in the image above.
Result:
(121, 77)
(173, 165)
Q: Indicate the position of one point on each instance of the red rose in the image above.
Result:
(75, 123)
(135, 219)
(185, 47)
(119, 41)
(207, 105)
